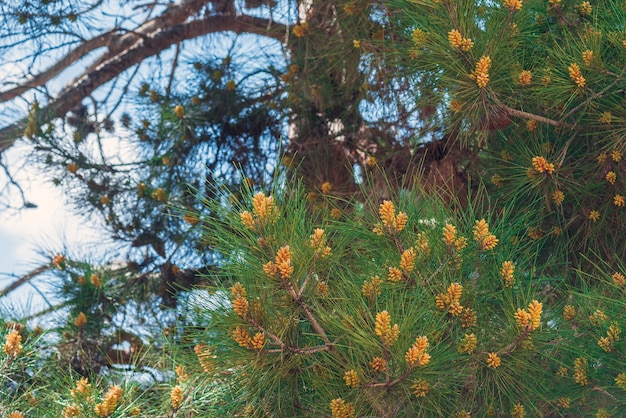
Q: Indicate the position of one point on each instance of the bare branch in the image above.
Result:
(11, 182)
(82, 86)
(525, 115)
(173, 71)
(597, 95)
(314, 323)
(115, 42)
(24, 279)
(48, 74)
(174, 15)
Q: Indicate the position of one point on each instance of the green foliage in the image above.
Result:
(506, 301)
(553, 88)
(302, 321)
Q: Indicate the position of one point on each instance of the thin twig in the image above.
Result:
(24, 279)
(168, 90)
(527, 115)
(391, 383)
(509, 348)
(595, 96)
(273, 336)
(298, 350)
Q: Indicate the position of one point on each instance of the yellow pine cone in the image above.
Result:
(263, 206)
(481, 72)
(493, 360)
(80, 320)
(468, 344)
(580, 371)
(616, 156)
(71, 411)
(283, 262)
(506, 272)
(522, 318)
(13, 344)
(240, 306)
(518, 411)
(535, 309)
(569, 312)
(258, 341)
(323, 289)
(513, 5)
(82, 389)
(237, 290)
(94, 279)
(455, 38)
(388, 334)
(352, 378)
(455, 309)
(416, 355)
(242, 337)
(485, 240)
(204, 357)
(455, 291)
(318, 242)
(576, 75)
(110, 402)
(420, 388)
(541, 165)
(394, 223)
(449, 234)
(379, 364)
(407, 260)
(468, 318)
(281, 267)
(525, 78)
(340, 409)
(619, 279)
(247, 220)
(176, 396)
(564, 403)
(371, 289)
(395, 274)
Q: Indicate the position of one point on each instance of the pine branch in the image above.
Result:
(530, 116)
(314, 323)
(595, 96)
(273, 336)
